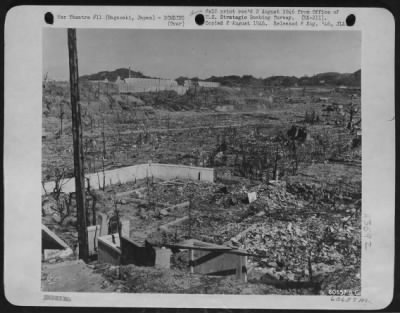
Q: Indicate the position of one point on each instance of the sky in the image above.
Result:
(203, 53)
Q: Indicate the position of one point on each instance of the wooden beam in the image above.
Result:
(77, 145)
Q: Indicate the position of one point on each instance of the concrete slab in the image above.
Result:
(178, 206)
(51, 241)
(173, 223)
(57, 254)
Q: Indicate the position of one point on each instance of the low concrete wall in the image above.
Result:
(136, 252)
(101, 230)
(169, 171)
(219, 263)
(141, 171)
(108, 252)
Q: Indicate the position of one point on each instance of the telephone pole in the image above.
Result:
(77, 144)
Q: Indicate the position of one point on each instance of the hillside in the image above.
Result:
(323, 79)
(329, 78)
(113, 75)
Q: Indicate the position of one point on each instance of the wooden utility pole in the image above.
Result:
(77, 144)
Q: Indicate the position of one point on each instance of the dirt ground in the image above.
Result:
(73, 276)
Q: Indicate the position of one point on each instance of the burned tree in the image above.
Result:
(94, 198)
(103, 136)
(351, 111)
(61, 115)
(63, 204)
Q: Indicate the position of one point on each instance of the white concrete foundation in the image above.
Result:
(141, 171)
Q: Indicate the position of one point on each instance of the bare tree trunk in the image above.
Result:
(190, 216)
(104, 175)
(104, 141)
(310, 268)
(274, 174)
(94, 201)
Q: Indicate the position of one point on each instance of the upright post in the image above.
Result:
(190, 216)
(191, 260)
(77, 145)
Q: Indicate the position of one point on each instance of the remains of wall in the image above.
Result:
(119, 175)
(170, 171)
(109, 252)
(205, 84)
(220, 264)
(149, 85)
(141, 171)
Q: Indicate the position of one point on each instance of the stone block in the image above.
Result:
(93, 233)
(102, 220)
(252, 196)
(109, 251)
(125, 228)
(163, 258)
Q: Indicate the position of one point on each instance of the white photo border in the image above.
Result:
(22, 163)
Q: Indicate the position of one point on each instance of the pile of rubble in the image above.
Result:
(290, 249)
(323, 194)
(275, 196)
(269, 197)
(297, 238)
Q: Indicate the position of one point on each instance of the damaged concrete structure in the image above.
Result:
(109, 249)
(204, 84)
(115, 250)
(134, 85)
(215, 260)
(204, 258)
(53, 246)
(97, 232)
(137, 251)
(140, 171)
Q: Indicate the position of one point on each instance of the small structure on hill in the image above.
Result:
(200, 83)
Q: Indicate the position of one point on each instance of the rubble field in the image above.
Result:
(299, 236)
(301, 159)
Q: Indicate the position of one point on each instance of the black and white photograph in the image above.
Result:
(201, 161)
(199, 157)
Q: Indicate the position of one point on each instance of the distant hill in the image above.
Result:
(323, 79)
(113, 75)
(331, 78)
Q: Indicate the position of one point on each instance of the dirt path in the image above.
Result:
(73, 276)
